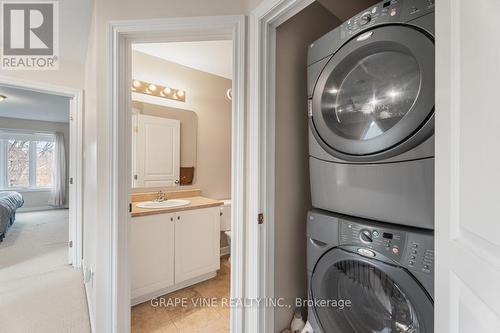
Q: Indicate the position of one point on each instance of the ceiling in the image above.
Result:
(27, 104)
(214, 57)
(74, 27)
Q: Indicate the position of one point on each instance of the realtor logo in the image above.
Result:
(29, 35)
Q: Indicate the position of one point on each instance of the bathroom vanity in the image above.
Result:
(174, 247)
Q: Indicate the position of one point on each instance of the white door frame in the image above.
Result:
(263, 23)
(121, 35)
(75, 195)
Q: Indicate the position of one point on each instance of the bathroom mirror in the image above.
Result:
(164, 146)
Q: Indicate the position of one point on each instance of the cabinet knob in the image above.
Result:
(171, 219)
(178, 217)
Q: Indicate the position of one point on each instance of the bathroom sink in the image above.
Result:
(163, 204)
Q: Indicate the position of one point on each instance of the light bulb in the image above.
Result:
(3, 98)
(136, 83)
(167, 91)
(180, 93)
(152, 87)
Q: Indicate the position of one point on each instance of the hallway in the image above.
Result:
(39, 291)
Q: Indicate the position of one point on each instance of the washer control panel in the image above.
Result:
(412, 249)
(385, 241)
(389, 11)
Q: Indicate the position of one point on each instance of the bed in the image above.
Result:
(9, 202)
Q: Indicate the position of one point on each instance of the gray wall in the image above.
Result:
(38, 199)
(292, 171)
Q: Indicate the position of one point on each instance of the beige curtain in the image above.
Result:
(58, 193)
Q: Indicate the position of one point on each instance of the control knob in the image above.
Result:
(366, 236)
(364, 19)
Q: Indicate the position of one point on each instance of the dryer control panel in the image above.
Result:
(390, 11)
(413, 250)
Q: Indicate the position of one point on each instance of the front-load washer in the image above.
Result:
(365, 276)
(371, 115)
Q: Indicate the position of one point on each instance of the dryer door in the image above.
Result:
(383, 298)
(376, 94)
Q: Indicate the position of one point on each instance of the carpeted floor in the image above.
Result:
(39, 291)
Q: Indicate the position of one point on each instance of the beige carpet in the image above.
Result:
(39, 291)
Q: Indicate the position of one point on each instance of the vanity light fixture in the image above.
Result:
(157, 90)
(3, 98)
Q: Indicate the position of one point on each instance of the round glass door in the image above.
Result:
(383, 299)
(375, 93)
(364, 100)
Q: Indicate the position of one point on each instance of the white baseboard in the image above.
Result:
(224, 251)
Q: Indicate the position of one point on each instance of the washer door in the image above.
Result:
(375, 93)
(384, 298)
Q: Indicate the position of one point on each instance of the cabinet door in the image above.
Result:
(157, 151)
(197, 247)
(151, 253)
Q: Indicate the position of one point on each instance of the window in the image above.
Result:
(26, 160)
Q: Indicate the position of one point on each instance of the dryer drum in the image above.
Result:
(376, 94)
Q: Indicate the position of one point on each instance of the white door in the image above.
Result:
(157, 152)
(467, 285)
(197, 243)
(151, 252)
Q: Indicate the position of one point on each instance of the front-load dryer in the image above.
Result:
(365, 276)
(371, 115)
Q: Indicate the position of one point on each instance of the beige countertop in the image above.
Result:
(196, 202)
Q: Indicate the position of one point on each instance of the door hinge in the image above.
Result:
(71, 181)
(130, 207)
(260, 218)
(70, 243)
(135, 177)
(71, 116)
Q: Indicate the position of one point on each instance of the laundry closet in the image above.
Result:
(292, 186)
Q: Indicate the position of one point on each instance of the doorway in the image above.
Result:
(73, 151)
(125, 34)
(40, 203)
(180, 234)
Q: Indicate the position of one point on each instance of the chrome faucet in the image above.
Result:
(160, 197)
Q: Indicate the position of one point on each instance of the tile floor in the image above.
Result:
(190, 318)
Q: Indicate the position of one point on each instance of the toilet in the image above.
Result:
(225, 220)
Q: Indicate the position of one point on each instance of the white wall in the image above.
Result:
(97, 120)
(68, 75)
(37, 200)
(90, 172)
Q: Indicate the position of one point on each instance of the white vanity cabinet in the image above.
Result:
(172, 251)
(152, 246)
(197, 243)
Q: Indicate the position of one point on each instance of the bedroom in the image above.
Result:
(35, 215)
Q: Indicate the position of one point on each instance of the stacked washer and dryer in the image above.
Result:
(371, 145)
